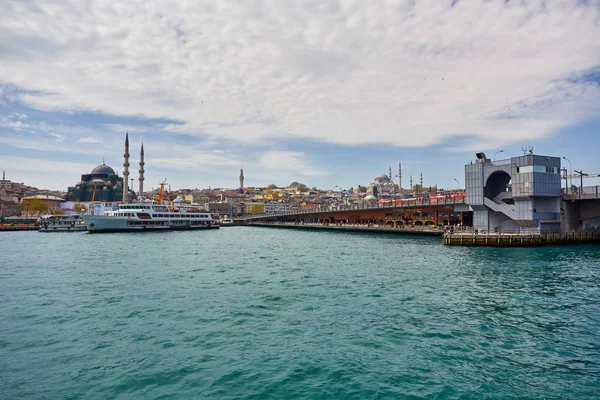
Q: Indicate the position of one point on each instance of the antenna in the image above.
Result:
(524, 150)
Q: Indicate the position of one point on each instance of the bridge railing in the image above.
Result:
(404, 203)
(586, 192)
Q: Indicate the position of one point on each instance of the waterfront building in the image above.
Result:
(254, 208)
(520, 194)
(9, 208)
(52, 202)
(271, 208)
(221, 208)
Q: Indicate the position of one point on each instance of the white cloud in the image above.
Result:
(289, 161)
(17, 115)
(58, 137)
(400, 73)
(44, 173)
(125, 128)
(88, 139)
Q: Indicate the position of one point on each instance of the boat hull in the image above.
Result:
(50, 228)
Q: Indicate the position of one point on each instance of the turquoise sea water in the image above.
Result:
(264, 313)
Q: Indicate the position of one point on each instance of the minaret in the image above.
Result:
(391, 179)
(421, 181)
(126, 170)
(400, 177)
(241, 179)
(3, 175)
(411, 182)
(141, 178)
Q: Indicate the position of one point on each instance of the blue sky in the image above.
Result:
(329, 93)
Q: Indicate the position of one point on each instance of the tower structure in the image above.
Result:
(141, 178)
(3, 175)
(421, 181)
(241, 179)
(126, 170)
(391, 179)
(411, 182)
(400, 177)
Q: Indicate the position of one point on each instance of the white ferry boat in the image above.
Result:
(61, 223)
(149, 217)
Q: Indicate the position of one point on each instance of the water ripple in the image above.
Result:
(260, 313)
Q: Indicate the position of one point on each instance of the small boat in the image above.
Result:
(226, 221)
(61, 223)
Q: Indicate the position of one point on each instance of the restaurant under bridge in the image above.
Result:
(432, 212)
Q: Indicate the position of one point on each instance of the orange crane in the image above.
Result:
(93, 197)
(161, 190)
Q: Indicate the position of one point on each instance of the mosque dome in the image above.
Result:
(103, 169)
(370, 197)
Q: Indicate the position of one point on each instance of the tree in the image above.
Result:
(272, 186)
(34, 206)
(79, 208)
(417, 188)
(302, 187)
(315, 188)
(295, 184)
(361, 189)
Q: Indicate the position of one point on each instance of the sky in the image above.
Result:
(330, 93)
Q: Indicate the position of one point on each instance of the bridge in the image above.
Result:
(419, 212)
(581, 208)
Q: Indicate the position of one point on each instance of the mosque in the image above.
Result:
(384, 184)
(107, 185)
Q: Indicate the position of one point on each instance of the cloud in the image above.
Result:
(404, 74)
(88, 139)
(289, 161)
(43, 172)
(58, 137)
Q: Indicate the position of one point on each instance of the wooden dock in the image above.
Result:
(520, 240)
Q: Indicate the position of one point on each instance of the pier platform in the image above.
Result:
(425, 231)
(18, 227)
(519, 240)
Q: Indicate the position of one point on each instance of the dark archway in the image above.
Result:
(497, 183)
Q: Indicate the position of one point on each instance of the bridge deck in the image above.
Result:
(404, 204)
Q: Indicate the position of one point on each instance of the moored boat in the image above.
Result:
(149, 217)
(61, 223)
